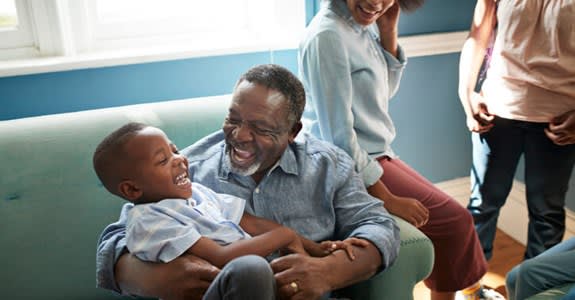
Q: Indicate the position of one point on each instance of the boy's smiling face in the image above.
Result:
(156, 169)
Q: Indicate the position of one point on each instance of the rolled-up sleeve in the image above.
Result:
(363, 216)
(395, 66)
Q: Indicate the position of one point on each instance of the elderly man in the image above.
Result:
(305, 184)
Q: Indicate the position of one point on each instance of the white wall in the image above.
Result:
(513, 218)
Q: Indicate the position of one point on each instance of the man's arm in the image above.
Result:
(186, 277)
(358, 215)
(317, 276)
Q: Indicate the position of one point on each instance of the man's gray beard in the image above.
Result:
(249, 171)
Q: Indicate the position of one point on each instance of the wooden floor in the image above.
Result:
(507, 254)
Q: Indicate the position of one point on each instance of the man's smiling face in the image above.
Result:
(257, 129)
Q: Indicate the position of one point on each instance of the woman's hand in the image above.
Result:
(387, 24)
(481, 119)
(561, 129)
(388, 21)
(408, 209)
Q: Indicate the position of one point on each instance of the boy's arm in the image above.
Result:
(264, 244)
(256, 226)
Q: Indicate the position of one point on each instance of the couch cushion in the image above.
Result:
(52, 206)
(554, 293)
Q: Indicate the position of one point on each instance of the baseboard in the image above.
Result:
(513, 217)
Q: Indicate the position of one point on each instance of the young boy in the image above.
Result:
(171, 215)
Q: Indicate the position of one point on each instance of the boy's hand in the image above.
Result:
(346, 245)
(296, 246)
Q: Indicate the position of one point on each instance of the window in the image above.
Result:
(16, 37)
(136, 28)
(8, 15)
(197, 25)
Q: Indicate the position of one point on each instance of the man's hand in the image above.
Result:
(301, 277)
(186, 277)
(561, 129)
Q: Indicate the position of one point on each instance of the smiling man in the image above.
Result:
(305, 184)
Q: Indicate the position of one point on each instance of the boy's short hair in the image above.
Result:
(110, 154)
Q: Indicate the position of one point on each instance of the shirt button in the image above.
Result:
(257, 190)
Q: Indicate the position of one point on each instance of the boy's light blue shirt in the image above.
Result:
(313, 189)
(164, 230)
(349, 79)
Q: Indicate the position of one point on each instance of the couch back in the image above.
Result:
(52, 206)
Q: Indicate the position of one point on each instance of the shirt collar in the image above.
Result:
(287, 163)
(339, 7)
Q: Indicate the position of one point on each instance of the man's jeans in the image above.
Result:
(548, 169)
(248, 277)
(553, 268)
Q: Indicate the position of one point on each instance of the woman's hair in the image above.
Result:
(410, 5)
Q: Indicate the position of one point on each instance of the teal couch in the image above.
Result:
(555, 293)
(52, 206)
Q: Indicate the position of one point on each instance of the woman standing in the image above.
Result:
(525, 108)
(351, 65)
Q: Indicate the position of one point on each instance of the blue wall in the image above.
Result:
(57, 92)
(426, 109)
(432, 135)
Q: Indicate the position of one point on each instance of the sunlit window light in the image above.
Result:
(8, 15)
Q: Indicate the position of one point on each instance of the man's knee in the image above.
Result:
(529, 275)
(249, 264)
(246, 272)
(239, 277)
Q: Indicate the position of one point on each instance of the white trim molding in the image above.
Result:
(513, 218)
(433, 44)
(414, 46)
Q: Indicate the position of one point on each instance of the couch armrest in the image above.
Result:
(414, 263)
(554, 293)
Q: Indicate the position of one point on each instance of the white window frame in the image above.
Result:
(63, 38)
(20, 40)
(57, 40)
